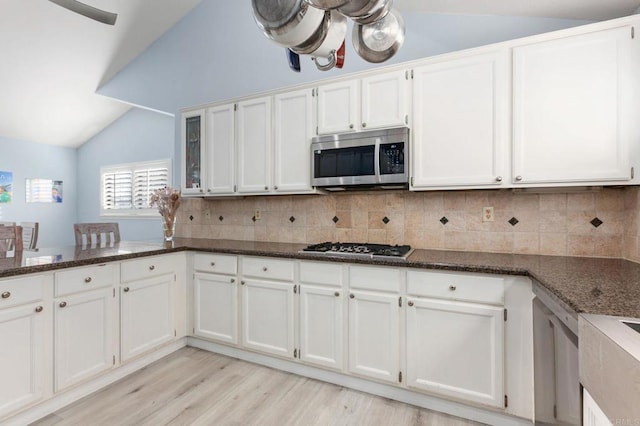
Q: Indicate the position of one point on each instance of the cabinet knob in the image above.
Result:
(63, 304)
(126, 289)
(266, 188)
(152, 267)
(201, 190)
(336, 294)
(264, 269)
(518, 178)
(351, 126)
(39, 309)
(499, 179)
(208, 189)
(410, 303)
(233, 280)
(213, 263)
(452, 287)
(351, 296)
(364, 124)
(275, 187)
(6, 295)
(87, 280)
(242, 282)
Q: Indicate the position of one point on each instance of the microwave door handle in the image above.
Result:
(376, 159)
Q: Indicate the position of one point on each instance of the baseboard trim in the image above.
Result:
(403, 395)
(70, 396)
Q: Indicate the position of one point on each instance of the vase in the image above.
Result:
(168, 229)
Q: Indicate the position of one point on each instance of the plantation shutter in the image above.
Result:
(117, 190)
(146, 182)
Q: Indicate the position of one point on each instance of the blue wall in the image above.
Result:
(138, 135)
(34, 160)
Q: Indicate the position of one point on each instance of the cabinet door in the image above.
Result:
(254, 145)
(592, 414)
(571, 108)
(461, 121)
(220, 143)
(293, 128)
(216, 307)
(267, 317)
(23, 356)
(83, 336)
(193, 153)
(338, 107)
(456, 349)
(385, 100)
(146, 309)
(374, 337)
(321, 326)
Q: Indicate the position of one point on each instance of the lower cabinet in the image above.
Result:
(216, 307)
(23, 354)
(592, 414)
(268, 316)
(84, 336)
(374, 335)
(456, 349)
(146, 315)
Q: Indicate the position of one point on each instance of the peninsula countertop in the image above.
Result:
(585, 285)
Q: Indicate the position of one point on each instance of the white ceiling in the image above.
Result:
(53, 60)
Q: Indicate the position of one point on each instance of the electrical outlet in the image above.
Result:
(487, 214)
(257, 214)
(207, 214)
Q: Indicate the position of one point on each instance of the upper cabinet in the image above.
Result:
(375, 101)
(192, 151)
(461, 121)
(254, 145)
(573, 108)
(221, 149)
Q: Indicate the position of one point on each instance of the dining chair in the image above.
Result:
(30, 234)
(90, 233)
(10, 239)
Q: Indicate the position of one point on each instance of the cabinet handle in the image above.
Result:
(351, 296)
(87, 280)
(518, 178)
(499, 179)
(213, 263)
(39, 309)
(242, 282)
(63, 304)
(6, 295)
(126, 289)
(264, 269)
(152, 267)
(266, 188)
(275, 187)
(452, 287)
(336, 294)
(364, 124)
(351, 126)
(233, 280)
(410, 303)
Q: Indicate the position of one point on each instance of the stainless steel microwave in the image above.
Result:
(373, 158)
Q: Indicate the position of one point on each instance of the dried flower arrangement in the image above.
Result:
(167, 200)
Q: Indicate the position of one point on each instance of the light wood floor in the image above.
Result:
(196, 387)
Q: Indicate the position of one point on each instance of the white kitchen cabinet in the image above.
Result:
(26, 357)
(573, 108)
(293, 130)
(254, 145)
(216, 297)
(456, 349)
(592, 414)
(461, 121)
(84, 336)
(374, 335)
(220, 149)
(375, 101)
(193, 152)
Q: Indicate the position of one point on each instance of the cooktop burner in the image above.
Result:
(360, 249)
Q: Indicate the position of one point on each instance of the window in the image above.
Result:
(125, 188)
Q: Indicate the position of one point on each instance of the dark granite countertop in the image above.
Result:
(584, 285)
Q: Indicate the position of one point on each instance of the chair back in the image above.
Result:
(30, 234)
(10, 239)
(96, 233)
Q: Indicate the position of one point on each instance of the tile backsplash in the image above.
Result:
(602, 223)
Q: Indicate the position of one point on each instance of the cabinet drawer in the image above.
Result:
(467, 287)
(216, 263)
(146, 267)
(323, 273)
(274, 269)
(18, 291)
(84, 279)
(374, 278)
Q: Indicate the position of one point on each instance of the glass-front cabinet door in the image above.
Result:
(193, 127)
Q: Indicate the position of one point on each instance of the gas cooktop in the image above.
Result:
(360, 249)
